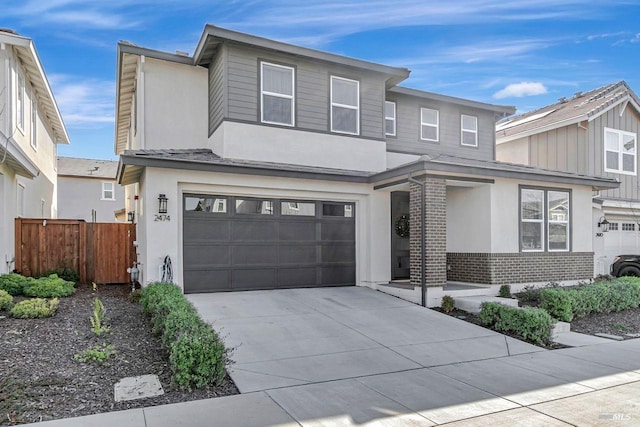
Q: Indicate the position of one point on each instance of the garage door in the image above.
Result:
(240, 243)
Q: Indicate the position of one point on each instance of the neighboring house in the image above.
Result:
(30, 128)
(87, 189)
(593, 133)
(283, 166)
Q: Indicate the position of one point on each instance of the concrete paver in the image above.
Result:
(575, 339)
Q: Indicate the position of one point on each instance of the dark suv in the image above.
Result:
(626, 265)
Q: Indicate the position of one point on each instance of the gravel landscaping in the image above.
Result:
(40, 380)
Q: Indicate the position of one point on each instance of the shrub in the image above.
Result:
(96, 354)
(33, 308)
(197, 355)
(448, 304)
(14, 283)
(49, 287)
(97, 318)
(557, 303)
(65, 273)
(505, 291)
(135, 295)
(6, 300)
(531, 324)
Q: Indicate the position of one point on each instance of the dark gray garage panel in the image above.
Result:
(238, 243)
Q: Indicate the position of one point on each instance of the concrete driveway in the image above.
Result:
(293, 337)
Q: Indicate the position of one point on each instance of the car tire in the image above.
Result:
(630, 271)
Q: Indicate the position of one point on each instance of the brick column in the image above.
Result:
(435, 209)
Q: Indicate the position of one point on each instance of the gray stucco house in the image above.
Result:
(283, 166)
(87, 189)
(592, 133)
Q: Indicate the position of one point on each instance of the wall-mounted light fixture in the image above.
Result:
(131, 216)
(162, 204)
(603, 224)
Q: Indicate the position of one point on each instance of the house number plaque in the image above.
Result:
(162, 217)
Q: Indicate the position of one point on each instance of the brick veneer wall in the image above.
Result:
(436, 232)
(505, 268)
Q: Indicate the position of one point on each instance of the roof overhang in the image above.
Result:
(212, 37)
(16, 159)
(28, 56)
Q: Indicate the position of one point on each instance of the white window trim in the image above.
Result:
(536, 221)
(393, 119)
(351, 107)
(553, 221)
(34, 124)
(473, 131)
(278, 95)
(20, 95)
(620, 133)
(113, 191)
(437, 124)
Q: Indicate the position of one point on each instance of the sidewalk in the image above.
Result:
(585, 386)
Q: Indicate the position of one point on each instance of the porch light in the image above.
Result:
(603, 224)
(131, 216)
(162, 204)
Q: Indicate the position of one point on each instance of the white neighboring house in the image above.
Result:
(87, 189)
(30, 128)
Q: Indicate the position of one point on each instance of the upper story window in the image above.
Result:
(544, 220)
(469, 127)
(390, 118)
(345, 105)
(108, 191)
(20, 102)
(619, 151)
(34, 124)
(277, 94)
(429, 124)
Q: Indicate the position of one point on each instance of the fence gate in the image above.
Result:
(99, 252)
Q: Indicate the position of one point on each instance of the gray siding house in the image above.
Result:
(593, 133)
(87, 189)
(285, 167)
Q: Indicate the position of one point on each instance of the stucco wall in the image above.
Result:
(468, 218)
(161, 238)
(78, 196)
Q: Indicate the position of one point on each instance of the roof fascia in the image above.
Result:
(551, 126)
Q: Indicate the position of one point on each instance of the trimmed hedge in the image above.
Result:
(567, 304)
(14, 283)
(6, 300)
(49, 287)
(532, 324)
(197, 355)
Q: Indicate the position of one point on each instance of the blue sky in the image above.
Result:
(526, 53)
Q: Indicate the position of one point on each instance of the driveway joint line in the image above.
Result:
(275, 376)
(283, 408)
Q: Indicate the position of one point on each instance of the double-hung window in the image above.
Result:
(277, 95)
(429, 124)
(345, 105)
(108, 191)
(620, 151)
(544, 220)
(469, 130)
(20, 102)
(390, 118)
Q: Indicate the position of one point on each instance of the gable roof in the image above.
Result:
(89, 168)
(26, 53)
(581, 107)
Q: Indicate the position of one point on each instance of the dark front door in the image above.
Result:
(400, 235)
(242, 243)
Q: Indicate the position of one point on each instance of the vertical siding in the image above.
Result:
(216, 92)
(312, 92)
(408, 140)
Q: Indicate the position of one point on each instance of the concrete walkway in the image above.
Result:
(352, 356)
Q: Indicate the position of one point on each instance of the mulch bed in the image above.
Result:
(40, 380)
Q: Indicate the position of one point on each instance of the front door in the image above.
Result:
(400, 235)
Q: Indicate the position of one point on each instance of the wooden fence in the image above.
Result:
(99, 252)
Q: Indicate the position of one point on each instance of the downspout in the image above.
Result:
(140, 103)
(8, 112)
(423, 236)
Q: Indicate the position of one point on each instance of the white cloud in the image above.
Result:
(83, 103)
(522, 89)
(636, 39)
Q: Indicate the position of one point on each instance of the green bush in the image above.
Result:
(65, 273)
(448, 304)
(505, 291)
(601, 297)
(33, 308)
(531, 324)
(6, 300)
(197, 355)
(96, 354)
(49, 287)
(14, 283)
